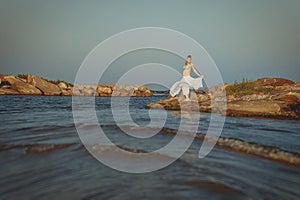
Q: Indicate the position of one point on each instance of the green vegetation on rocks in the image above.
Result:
(56, 82)
(246, 87)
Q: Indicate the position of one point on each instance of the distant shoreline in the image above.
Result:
(267, 98)
(37, 86)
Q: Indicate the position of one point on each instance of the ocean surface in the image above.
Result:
(42, 156)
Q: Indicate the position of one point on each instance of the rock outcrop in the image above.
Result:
(34, 85)
(14, 85)
(111, 90)
(274, 98)
(47, 88)
(66, 90)
(273, 82)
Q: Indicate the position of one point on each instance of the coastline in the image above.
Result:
(37, 86)
(267, 98)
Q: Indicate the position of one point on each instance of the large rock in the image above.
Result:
(89, 91)
(283, 103)
(122, 91)
(8, 91)
(76, 91)
(141, 91)
(176, 103)
(35, 85)
(273, 82)
(111, 90)
(66, 92)
(104, 90)
(15, 84)
(252, 108)
(47, 88)
(62, 86)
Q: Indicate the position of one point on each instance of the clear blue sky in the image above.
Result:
(257, 38)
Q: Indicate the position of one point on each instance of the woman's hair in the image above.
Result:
(185, 62)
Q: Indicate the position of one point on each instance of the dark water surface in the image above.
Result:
(42, 156)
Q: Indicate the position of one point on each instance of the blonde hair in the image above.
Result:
(185, 63)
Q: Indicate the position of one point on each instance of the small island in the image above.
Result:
(273, 98)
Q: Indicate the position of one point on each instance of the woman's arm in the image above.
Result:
(195, 70)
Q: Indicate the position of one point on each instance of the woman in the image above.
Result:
(187, 81)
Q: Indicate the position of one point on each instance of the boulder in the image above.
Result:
(65, 89)
(147, 93)
(15, 84)
(142, 88)
(62, 86)
(8, 91)
(75, 91)
(141, 91)
(121, 90)
(66, 92)
(47, 88)
(104, 89)
(203, 97)
(89, 91)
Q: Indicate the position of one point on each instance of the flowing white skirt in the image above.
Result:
(184, 84)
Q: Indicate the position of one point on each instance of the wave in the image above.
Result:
(250, 148)
(35, 148)
(227, 143)
(276, 130)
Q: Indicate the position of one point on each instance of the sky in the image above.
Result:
(250, 39)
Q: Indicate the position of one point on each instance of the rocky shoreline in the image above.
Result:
(271, 98)
(35, 85)
(268, 98)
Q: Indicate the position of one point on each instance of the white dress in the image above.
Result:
(184, 84)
